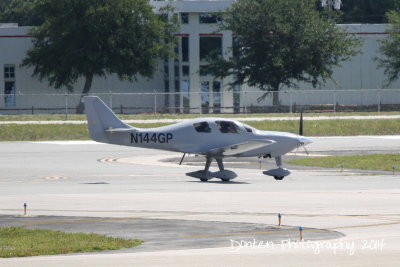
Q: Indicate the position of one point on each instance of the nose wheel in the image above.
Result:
(278, 173)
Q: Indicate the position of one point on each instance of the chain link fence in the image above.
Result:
(227, 102)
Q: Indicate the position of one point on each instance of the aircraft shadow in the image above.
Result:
(219, 182)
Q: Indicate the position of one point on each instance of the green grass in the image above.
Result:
(382, 162)
(145, 116)
(22, 242)
(15, 132)
(334, 127)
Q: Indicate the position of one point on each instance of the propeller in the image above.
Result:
(301, 132)
(301, 124)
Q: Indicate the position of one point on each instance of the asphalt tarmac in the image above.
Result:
(168, 234)
(130, 192)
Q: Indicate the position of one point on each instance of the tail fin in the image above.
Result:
(100, 118)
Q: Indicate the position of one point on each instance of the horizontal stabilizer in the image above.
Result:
(120, 130)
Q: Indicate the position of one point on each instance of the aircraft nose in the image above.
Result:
(304, 140)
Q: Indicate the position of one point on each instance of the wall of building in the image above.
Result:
(29, 91)
(194, 92)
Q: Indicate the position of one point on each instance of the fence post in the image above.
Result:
(379, 100)
(155, 102)
(19, 110)
(290, 101)
(334, 101)
(66, 106)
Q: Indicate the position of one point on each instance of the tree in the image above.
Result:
(87, 38)
(19, 11)
(281, 42)
(390, 49)
(367, 11)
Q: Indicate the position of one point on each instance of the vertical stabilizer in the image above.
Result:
(101, 118)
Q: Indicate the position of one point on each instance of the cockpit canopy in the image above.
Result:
(223, 127)
(202, 127)
(227, 127)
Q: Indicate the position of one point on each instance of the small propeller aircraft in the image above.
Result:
(214, 138)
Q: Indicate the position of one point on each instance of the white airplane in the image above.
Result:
(214, 138)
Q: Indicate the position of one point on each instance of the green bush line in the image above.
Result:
(22, 242)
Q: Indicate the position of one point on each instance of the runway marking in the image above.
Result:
(134, 175)
(306, 155)
(254, 233)
(362, 226)
(56, 177)
(108, 160)
(66, 143)
(79, 220)
(288, 231)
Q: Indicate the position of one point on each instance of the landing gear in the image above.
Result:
(278, 173)
(205, 175)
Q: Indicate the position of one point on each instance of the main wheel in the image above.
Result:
(225, 179)
(279, 177)
(203, 179)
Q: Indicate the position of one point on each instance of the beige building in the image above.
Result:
(181, 85)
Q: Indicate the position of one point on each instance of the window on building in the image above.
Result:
(177, 97)
(210, 47)
(204, 71)
(184, 18)
(166, 84)
(217, 96)
(205, 101)
(9, 85)
(236, 98)
(185, 48)
(235, 46)
(209, 18)
(176, 70)
(202, 127)
(9, 72)
(227, 127)
(186, 96)
(185, 70)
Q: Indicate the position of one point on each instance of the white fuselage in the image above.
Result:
(183, 137)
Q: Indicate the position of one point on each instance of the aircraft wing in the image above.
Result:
(237, 149)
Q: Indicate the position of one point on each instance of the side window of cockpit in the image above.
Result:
(249, 130)
(227, 127)
(202, 127)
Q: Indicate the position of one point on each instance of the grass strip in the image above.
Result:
(22, 242)
(381, 162)
(42, 132)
